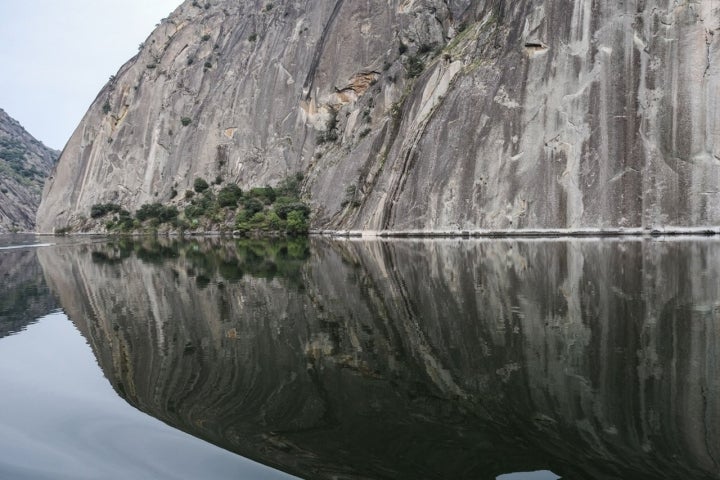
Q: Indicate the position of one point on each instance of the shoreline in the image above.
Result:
(525, 233)
(538, 233)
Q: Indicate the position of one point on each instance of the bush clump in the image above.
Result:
(157, 211)
(260, 211)
(101, 209)
(265, 194)
(274, 210)
(200, 185)
(229, 195)
(201, 205)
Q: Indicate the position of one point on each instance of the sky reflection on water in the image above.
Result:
(60, 419)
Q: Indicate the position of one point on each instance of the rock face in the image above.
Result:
(406, 360)
(25, 163)
(418, 114)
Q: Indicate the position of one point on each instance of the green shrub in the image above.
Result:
(205, 37)
(258, 219)
(284, 210)
(266, 194)
(203, 205)
(194, 212)
(296, 223)
(273, 222)
(252, 37)
(200, 185)
(168, 214)
(157, 211)
(242, 227)
(101, 209)
(185, 121)
(252, 206)
(229, 195)
(124, 221)
(149, 210)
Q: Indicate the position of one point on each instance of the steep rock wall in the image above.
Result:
(449, 115)
(25, 163)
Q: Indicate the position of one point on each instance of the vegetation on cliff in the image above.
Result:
(260, 211)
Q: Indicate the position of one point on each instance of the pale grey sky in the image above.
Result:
(55, 56)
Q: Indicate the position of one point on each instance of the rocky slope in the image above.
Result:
(417, 114)
(25, 163)
(596, 360)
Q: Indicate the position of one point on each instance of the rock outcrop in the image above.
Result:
(413, 359)
(25, 163)
(417, 114)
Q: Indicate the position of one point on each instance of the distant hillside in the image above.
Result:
(25, 163)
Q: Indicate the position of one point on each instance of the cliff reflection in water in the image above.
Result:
(427, 359)
(24, 295)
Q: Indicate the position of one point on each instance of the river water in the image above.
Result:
(350, 359)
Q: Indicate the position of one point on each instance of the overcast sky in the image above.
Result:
(55, 56)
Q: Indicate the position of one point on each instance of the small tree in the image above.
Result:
(296, 223)
(229, 195)
(200, 185)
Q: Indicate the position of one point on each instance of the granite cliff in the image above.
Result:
(25, 163)
(417, 114)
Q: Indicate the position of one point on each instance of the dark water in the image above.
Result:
(384, 359)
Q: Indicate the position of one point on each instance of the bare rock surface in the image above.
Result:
(25, 163)
(417, 114)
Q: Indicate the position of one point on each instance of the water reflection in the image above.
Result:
(451, 359)
(24, 295)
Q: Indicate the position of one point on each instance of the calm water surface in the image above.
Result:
(510, 360)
